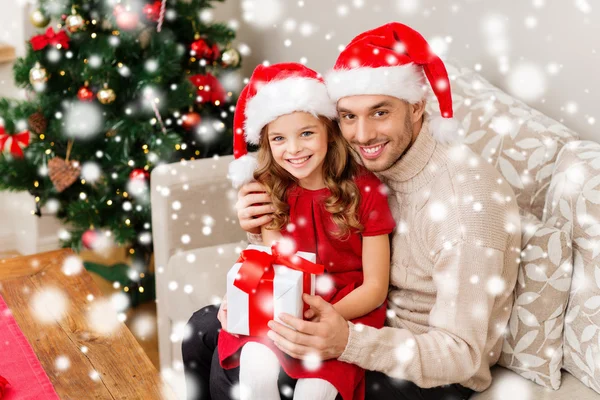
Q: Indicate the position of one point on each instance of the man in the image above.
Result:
(454, 252)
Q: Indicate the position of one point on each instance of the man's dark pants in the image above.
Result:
(202, 369)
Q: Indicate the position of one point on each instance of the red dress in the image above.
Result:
(343, 263)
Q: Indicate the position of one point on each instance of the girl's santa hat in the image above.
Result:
(392, 60)
(273, 91)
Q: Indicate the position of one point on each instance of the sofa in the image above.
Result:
(551, 348)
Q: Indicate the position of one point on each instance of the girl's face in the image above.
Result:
(298, 143)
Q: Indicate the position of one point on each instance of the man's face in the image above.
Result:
(379, 128)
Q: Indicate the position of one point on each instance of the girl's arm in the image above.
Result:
(269, 236)
(376, 269)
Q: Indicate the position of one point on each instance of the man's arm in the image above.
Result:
(453, 349)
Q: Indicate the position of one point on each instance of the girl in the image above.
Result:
(326, 204)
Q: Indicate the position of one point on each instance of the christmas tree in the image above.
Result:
(115, 87)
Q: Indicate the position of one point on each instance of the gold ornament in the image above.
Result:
(231, 58)
(106, 95)
(38, 18)
(38, 75)
(75, 22)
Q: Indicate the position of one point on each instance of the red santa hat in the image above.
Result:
(394, 60)
(273, 91)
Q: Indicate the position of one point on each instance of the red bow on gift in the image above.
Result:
(14, 143)
(38, 42)
(256, 263)
(3, 384)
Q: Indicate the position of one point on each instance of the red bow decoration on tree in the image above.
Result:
(14, 143)
(209, 88)
(152, 11)
(3, 384)
(38, 42)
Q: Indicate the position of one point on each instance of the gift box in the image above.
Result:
(263, 284)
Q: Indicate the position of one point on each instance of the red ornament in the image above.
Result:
(14, 144)
(38, 42)
(88, 238)
(126, 20)
(190, 120)
(203, 50)
(85, 94)
(152, 11)
(139, 174)
(209, 89)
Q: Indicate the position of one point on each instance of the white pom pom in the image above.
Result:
(444, 130)
(241, 171)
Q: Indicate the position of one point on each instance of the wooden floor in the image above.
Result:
(146, 311)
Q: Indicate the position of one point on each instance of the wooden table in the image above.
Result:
(123, 369)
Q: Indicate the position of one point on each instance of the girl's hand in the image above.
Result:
(222, 314)
(254, 207)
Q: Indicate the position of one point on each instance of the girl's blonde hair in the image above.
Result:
(339, 170)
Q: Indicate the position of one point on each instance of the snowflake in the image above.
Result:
(72, 266)
(407, 7)
(312, 362)
(49, 305)
(405, 351)
(83, 120)
(527, 81)
(262, 13)
(119, 301)
(102, 317)
(324, 284)
(495, 285)
(62, 363)
(143, 326)
(437, 211)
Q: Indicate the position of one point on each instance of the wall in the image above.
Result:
(546, 52)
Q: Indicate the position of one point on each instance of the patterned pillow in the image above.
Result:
(520, 142)
(533, 345)
(573, 203)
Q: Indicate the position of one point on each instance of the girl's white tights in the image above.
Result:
(259, 370)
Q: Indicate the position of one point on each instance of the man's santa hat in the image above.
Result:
(273, 91)
(390, 60)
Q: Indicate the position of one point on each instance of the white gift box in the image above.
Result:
(288, 286)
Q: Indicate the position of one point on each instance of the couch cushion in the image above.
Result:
(520, 142)
(574, 204)
(508, 385)
(533, 343)
(205, 271)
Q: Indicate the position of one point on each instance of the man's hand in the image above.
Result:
(254, 207)
(326, 337)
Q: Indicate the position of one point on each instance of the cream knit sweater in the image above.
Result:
(454, 266)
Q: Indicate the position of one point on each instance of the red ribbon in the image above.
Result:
(19, 140)
(3, 384)
(255, 277)
(38, 42)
